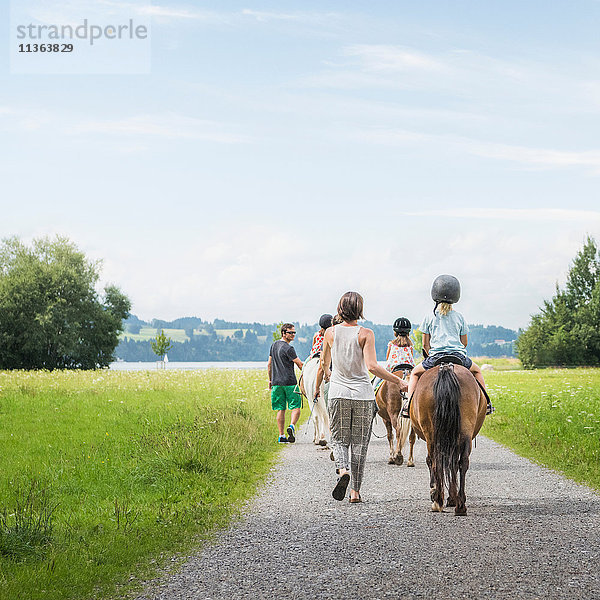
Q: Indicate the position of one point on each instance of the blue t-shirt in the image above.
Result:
(445, 332)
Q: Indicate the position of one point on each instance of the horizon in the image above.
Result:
(414, 325)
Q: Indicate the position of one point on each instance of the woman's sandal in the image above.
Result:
(355, 500)
(339, 491)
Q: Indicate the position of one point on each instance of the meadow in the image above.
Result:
(104, 474)
(499, 364)
(550, 416)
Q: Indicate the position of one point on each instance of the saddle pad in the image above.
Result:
(377, 383)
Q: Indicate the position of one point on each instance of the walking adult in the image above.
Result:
(349, 350)
(282, 382)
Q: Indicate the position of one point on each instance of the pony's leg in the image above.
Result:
(429, 466)
(321, 415)
(452, 488)
(412, 438)
(436, 489)
(402, 430)
(390, 437)
(463, 467)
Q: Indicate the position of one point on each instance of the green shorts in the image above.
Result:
(285, 396)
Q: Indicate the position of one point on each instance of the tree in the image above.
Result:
(277, 332)
(51, 316)
(417, 337)
(161, 345)
(567, 330)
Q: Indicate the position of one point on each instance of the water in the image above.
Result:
(174, 365)
(188, 366)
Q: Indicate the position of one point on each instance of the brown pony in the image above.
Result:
(389, 401)
(447, 411)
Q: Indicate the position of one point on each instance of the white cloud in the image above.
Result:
(539, 156)
(546, 158)
(167, 125)
(385, 58)
(265, 16)
(257, 273)
(166, 12)
(535, 215)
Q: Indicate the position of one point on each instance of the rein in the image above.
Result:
(380, 437)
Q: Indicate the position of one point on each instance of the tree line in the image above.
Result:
(251, 341)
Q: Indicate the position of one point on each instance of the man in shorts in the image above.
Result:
(282, 382)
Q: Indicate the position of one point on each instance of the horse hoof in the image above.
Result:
(451, 502)
(323, 442)
(410, 463)
(331, 456)
(399, 460)
(435, 507)
(390, 460)
(460, 512)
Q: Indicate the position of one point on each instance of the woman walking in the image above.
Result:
(349, 350)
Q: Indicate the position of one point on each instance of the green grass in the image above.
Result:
(104, 471)
(551, 416)
(499, 364)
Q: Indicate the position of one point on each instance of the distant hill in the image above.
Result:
(219, 340)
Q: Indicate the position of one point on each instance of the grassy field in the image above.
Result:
(105, 472)
(550, 416)
(499, 364)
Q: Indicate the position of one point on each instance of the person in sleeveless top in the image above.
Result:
(348, 356)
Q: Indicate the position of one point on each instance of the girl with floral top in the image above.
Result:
(400, 349)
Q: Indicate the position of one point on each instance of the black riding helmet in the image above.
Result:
(402, 326)
(445, 288)
(325, 321)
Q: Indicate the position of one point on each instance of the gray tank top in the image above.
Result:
(349, 375)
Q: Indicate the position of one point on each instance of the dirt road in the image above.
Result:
(529, 533)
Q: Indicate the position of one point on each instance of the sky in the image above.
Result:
(267, 157)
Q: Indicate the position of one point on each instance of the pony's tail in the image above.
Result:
(446, 423)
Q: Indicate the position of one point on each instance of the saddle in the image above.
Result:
(444, 359)
(402, 367)
(447, 358)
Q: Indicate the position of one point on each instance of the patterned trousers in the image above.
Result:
(351, 422)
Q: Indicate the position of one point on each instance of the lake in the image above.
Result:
(174, 365)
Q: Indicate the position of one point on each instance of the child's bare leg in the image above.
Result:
(414, 379)
(412, 384)
(479, 376)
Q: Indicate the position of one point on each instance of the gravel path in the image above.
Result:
(530, 533)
